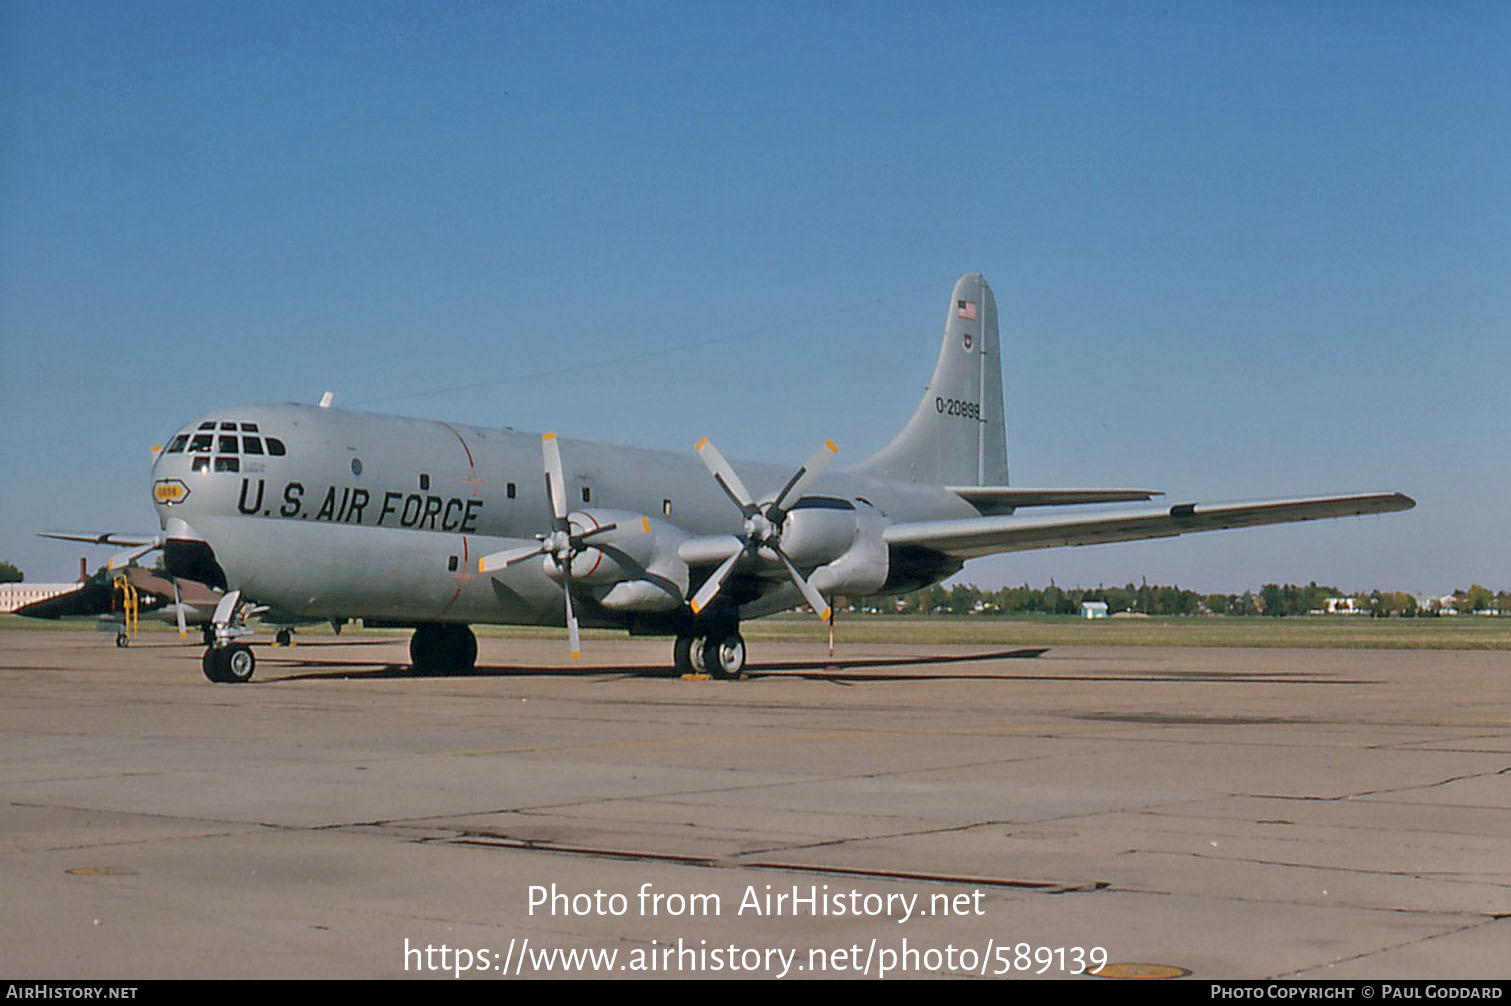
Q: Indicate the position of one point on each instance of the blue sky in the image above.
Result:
(1240, 250)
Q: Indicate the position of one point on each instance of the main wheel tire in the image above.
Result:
(443, 647)
(724, 656)
(695, 648)
(682, 655)
(210, 663)
(237, 664)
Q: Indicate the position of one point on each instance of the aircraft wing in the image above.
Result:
(91, 598)
(105, 537)
(976, 536)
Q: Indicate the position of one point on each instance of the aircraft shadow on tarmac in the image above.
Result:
(314, 669)
(861, 670)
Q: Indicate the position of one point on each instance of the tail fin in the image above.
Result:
(957, 435)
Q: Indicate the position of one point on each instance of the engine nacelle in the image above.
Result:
(634, 566)
(862, 567)
(819, 529)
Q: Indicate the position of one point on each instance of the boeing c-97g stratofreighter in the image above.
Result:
(327, 513)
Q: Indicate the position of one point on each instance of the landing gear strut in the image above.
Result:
(443, 647)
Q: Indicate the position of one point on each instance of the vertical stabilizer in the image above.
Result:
(957, 435)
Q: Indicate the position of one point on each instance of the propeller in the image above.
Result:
(178, 605)
(562, 544)
(763, 521)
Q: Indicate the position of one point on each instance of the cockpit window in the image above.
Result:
(251, 445)
(202, 442)
(178, 443)
(227, 445)
(228, 426)
(249, 427)
(207, 426)
(275, 447)
(228, 464)
(201, 464)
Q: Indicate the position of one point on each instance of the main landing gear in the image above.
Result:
(720, 654)
(442, 646)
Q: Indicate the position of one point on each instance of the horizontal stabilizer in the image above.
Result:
(976, 536)
(1002, 499)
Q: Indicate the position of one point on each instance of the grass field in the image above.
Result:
(1312, 632)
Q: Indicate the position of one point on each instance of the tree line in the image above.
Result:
(1272, 599)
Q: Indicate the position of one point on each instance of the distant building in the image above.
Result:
(14, 595)
(1093, 609)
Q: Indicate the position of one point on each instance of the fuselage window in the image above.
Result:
(178, 443)
(201, 464)
(424, 481)
(275, 447)
(228, 464)
(227, 445)
(666, 507)
(451, 564)
(251, 445)
(202, 442)
(587, 494)
(509, 490)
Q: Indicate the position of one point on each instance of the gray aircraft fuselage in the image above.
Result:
(385, 518)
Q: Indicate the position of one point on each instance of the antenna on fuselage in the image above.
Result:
(326, 399)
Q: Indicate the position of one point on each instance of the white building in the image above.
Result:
(14, 595)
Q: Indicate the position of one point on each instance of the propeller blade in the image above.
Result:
(498, 560)
(178, 603)
(574, 642)
(725, 476)
(804, 477)
(710, 588)
(810, 592)
(556, 480)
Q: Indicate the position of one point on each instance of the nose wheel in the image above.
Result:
(230, 665)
